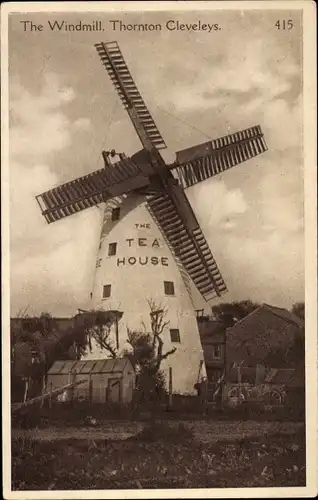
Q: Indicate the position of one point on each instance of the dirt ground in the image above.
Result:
(203, 431)
(161, 454)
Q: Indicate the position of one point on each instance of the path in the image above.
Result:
(204, 431)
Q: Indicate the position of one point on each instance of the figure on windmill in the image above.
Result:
(151, 244)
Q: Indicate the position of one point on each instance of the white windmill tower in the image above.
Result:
(152, 246)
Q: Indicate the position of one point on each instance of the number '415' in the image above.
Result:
(284, 24)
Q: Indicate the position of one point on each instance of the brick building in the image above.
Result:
(266, 336)
(269, 337)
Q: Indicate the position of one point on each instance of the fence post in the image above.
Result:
(239, 380)
(90, 388)
(50, 396)
(43, 390)
(204, 395)
(170, 386)
(223, 387)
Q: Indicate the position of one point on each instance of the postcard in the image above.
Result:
(159, 249)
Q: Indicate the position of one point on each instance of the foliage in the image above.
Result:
(230, 312)
(99, 327)
(36, 342)
(37, 345)
(40, 337)
(22, 359)
(299, 309)
(33, 344)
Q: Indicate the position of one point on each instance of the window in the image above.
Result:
(174, 335)
(112, 248)
(216, 352)
(169, 287)
(115, 213)
(106, 291)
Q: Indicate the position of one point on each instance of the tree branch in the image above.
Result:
(168, 353)
(107, 346)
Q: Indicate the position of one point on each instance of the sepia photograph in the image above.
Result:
(159, 281)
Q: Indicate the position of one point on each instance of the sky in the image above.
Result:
(197, 85)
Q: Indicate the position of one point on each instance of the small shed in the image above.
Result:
(109, 380)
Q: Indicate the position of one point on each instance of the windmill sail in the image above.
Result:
(130, 96)
(146, 172)
(201, 162)
(188, 244)
(92, 189)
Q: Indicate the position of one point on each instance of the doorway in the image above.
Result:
(114, 390)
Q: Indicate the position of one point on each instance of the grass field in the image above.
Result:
(120, 455)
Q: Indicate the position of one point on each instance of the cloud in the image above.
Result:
(82, 124)
(249, 84)
(255, 232)
(280, 204)
(43, 266)
(217, 204)
(269, 268)
(243, 71)
(252, 216)
(277, 112)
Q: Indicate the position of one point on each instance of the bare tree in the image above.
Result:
(148, 351)
(100, 329)
(159, 323)
(102, 337)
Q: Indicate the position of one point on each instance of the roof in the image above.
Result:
(277, 311)
(89, 366)
(284, 314)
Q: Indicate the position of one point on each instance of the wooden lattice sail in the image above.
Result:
(163, 184)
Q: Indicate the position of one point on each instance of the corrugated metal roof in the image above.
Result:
(109, 365)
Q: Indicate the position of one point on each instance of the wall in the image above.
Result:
(209, 354)
(133, 284)
(212, 334)
(253, 338)
(99, 384)
(56, 381)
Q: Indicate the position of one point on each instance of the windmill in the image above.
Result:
(146, 176)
